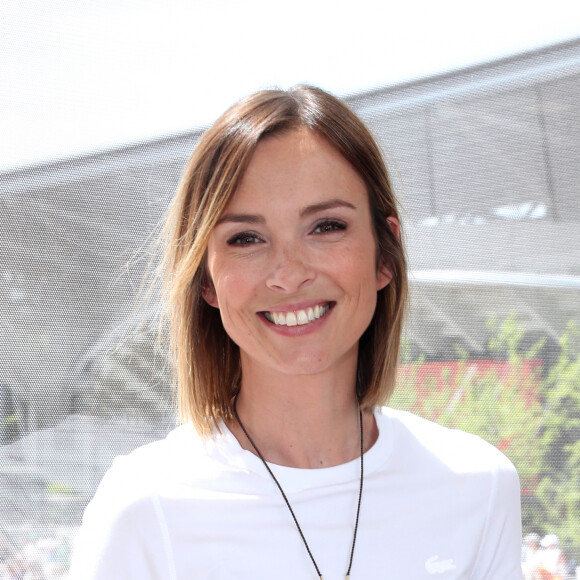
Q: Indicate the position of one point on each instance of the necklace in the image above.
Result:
(288, 503)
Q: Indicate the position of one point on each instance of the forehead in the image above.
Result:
(297, 145)
(294, 165)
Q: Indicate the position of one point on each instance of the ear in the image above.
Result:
(209, 294)
(385, 271)
(395, 226)
(384, 276)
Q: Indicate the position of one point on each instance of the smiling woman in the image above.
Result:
(306, 269)
(286, 287)
(244, 156)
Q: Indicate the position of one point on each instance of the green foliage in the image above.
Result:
(9, 428)
(57, 488)
(10, 420)
(559, 489)
(532, 415)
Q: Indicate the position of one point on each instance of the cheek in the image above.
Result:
(358, 276)
(234, 290)
(369, 284)
(363, 266)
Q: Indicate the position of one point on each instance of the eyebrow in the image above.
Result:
(247, 218)
(243, 218)
(324, 205)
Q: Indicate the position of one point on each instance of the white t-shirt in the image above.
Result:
(437, 504)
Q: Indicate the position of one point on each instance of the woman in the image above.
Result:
(286, 281)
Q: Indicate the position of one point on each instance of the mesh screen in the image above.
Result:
(485, 162)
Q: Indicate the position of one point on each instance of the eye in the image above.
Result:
(329, 226)
(244, 239)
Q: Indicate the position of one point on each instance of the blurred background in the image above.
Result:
(475, 106)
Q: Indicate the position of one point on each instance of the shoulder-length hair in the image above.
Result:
(207, 361)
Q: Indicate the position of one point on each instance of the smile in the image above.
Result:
(298, 317)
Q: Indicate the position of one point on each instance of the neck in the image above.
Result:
(302, 421)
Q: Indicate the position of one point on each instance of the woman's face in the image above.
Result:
(293, 259)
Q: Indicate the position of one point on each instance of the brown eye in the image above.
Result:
(244, 239)
(329, 226)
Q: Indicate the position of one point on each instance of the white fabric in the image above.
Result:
(437, 503)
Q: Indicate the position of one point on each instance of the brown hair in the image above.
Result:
(207, 360)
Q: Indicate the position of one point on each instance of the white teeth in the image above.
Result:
(300, 317)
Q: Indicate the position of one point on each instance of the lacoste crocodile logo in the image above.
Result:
(434, 565)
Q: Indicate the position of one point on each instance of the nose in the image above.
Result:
(290, 270)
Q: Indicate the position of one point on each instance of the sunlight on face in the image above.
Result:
(293, 259)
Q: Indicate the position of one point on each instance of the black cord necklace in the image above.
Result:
(288, 503)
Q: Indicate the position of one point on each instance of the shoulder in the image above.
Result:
(179, 457)
(124, 523)
(458, 478)
(431, 444)
(133, 479)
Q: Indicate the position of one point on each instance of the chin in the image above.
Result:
(310, 363)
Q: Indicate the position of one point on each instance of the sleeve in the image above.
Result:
(122, 536)
(499, 555)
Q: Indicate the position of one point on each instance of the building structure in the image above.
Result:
(485, 161)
